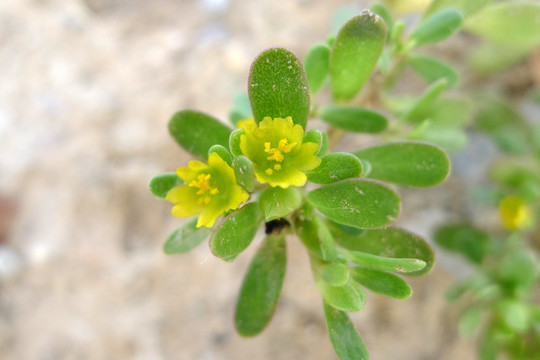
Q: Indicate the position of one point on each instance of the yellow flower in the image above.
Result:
(514, 213)
(208, 190)
(275, 147)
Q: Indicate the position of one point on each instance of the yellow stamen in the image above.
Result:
(203, 184)
(276, 153)
(277, 167)
(269, 171)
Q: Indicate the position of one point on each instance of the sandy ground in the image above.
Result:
(86, 91)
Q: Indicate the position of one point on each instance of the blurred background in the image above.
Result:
(87, 88)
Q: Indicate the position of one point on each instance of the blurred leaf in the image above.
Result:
(315, 235)
(261, 287)
(466, 7)
(488, 59)
(518, 271)
(424, 105)
(354, 119)
(515, 314)
(185, 238)
(469, 321)
(465, 239)
(382, 283)
(432, 69)
(197, 132)
(385, 14)
(345, 340)
(349, 297)
(241, 109)
(243, 169)
(391, 243)
(402, 266)
(451, 112)
(222, 152)
(512, 24)
(449, 138)
(358, 203)
(278, 87)
(335, 167)
(406, 163)
(436, 27)
(316, 64)
(236, 231)
(161, 184)
(277, 202)
(354, 54)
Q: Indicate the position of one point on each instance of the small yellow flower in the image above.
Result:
(208, 190)
(275, 147)
(514, 213)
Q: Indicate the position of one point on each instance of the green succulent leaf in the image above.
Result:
(369, 261)
(241, 109)
(345, 340)
(185, 238)
(198, 132)
(277, 202)
(432, 69)
(161, 184)
(335, 167)
(354, 54)
(349, 297)
(385, 14)
(335, 274)
(278, 87)
(355, 202)
(222, 152)
(469, 321)
(243, 169)
(512, 24)
(518, 271)
(407, 163)
(466, 7)
(391, 243)
(234, 142)
(465, 239)
(317, 137)
(261, 288)
(436, 27)
(315, 235)
(236, 231)
(382, 283)
(447, 137)
(354, 119)
(422, 109)
(316, 64)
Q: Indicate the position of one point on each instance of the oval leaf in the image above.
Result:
(354, 54)
(278, 87)
(423, 108)
(354, 119)
(222, 152)
(382, 283)
(197, 132)
(234, 142)
(161, 184)
(236, 231)
(345, 340)
(316, 63)
(375, 262)
(335, 274)
(407, 163)
(261, 287)
(186, 238)
(349, 297)
(433, 69)
(359, 203)
(391, 243)
(316, 136)
(243, 169)
(465, 239)
(436, 27)
(335, 167)
(277, 202)
(315, 235)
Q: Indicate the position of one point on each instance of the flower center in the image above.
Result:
(203, 184)
(276, 154)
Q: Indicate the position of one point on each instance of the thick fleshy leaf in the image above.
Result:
(315, 234)
(432, 69)
(277, 202)
(382, 283)
(402, 266)
(354, 54)
(335, 167)
(407, 163)
(261, 288)
(513, 24)
(197, 132)
(241, 109)
(236, 231)
(349, 297)
(222, 152)
(317, 137)
(335, 274)
(345, 340)
(355, 202)
(423, 107)
(243, 169)
(234, 142)
(385, 14)
(186, 238)
(465, 239)
(278, 87)
(391, 243)
(316, 64)
(436, 27)
(466, 7)
(354, 119)
(161, 184)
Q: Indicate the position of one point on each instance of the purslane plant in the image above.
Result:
(272, 171)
